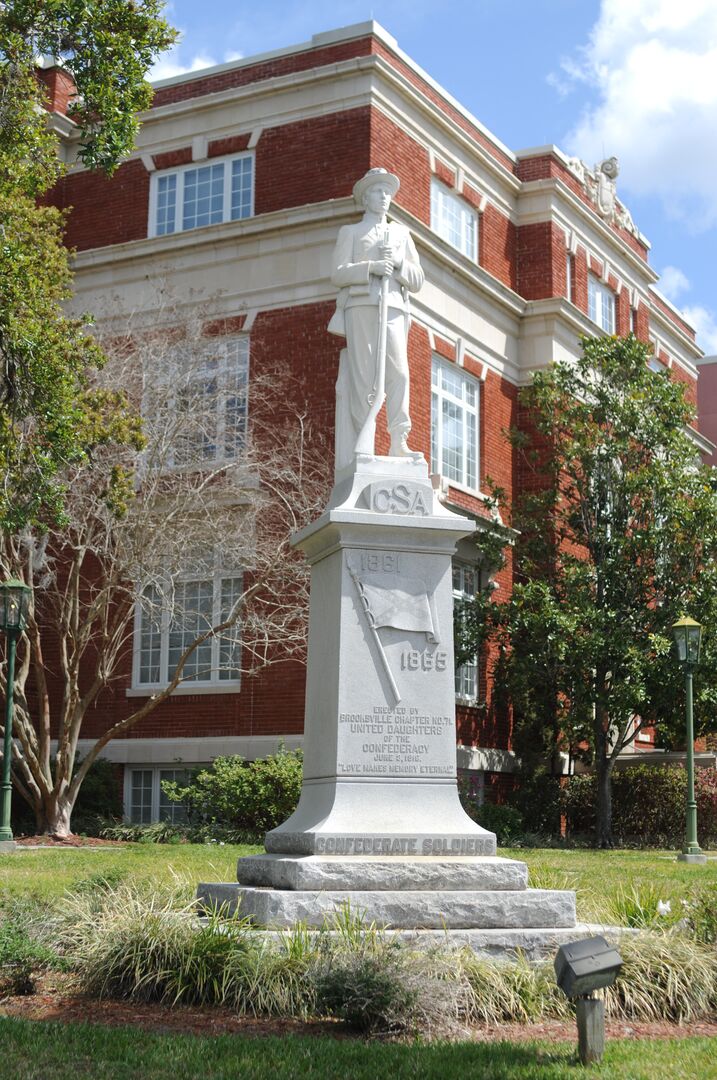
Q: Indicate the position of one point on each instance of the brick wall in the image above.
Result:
(311, 160)
(60, 88)
(497, 241)
(535, 272)
(392, 149)
(105, 211)
(672, 316)
(259, 72)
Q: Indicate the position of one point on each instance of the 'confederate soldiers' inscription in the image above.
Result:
(404, 845)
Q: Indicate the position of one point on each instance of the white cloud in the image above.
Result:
(705, 325)
(173, 63)
(652, 65)
(673, 283)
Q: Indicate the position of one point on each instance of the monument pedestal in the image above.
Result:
(379, 823)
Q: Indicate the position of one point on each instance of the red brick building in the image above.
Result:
(240, 181)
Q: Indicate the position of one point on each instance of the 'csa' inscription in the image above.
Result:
(399, 499)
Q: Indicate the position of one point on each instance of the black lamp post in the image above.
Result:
(688, 635)
(14, 604)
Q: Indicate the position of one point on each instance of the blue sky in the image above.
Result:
(634, 78)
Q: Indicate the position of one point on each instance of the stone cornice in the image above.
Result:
(561, 193)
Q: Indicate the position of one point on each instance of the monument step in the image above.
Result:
(409, 909)
(536, 944)
(370, 873)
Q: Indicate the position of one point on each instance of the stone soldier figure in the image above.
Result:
(375, 267)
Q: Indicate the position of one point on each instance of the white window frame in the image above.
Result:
(601, 304)
(156, 790)
(214, 683)
(180, 172)
(470, 413)
(446, 203)
(193, 365)
(467, 678)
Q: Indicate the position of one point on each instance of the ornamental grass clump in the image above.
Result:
(124, 941)
(664, 977)
(149, 945)
(510, 992)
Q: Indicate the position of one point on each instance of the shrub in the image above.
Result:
(706, 798)
(164, 832)
(538, 799)
(701, 914)
(648, 804)
(379, 987)
(251, 796)
(505, 821)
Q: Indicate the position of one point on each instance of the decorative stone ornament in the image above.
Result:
(600, 186)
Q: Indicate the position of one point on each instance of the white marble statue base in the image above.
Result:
(398, 908)
(380, 736)
(379, 828)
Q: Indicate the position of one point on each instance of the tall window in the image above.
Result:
(465, 586)
(601, 304)
(171, 615)
(208, 392)
(454, 424)
(145, 801)
(196, 195)
(454, 220)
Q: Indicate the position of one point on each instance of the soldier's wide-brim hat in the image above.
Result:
(375, 176)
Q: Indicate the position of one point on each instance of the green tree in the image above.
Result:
(106, 46)
(618, 538)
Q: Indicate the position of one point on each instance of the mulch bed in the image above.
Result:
(59, 998)
(67, 841)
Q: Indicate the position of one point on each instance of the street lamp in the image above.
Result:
(14, 603)
(688, 634)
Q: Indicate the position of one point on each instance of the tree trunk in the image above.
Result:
(604, 800)
(55, 815)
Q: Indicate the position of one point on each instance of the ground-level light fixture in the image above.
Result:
(14, 607)
(581, 969)
(688, 638)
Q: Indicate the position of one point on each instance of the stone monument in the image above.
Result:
(379, 822)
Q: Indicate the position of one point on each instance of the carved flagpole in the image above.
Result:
(376, 638)
(365, 444)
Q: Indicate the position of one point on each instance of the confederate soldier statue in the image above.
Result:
(375, 267)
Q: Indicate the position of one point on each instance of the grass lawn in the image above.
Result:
(51, 1051)
(46, 873)
(597, 876)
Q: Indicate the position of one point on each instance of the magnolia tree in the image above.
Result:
(159, 504)
(618, 538)
(106, 47)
